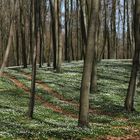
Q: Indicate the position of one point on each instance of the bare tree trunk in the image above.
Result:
(35, 42)
(86, 77)
(113, 30)
(83, 21)
(128, 33)
(40, 36)
(77, 14)
(53, 26)
(129, 101)
(9, 39)
(66, 30)
(59, 37)
(22, 29)
(124, 15)
(31, 32)
(93, 86)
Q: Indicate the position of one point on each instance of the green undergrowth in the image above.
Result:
(108, 116)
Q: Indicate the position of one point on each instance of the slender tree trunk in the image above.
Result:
(35, 42)
(83, 22)
(69, 32)
(22, 29)
(17, 46)
(129, 101)
(113, 30)
(53, 23)
(66, 30)
(102, 55)
(77, 14)
(86, 78)
(128, 33)
(31, 32)
(40, 36)
(124, 29)
(59, 37)
(9, 39)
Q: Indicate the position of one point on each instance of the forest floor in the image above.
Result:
(57, 104)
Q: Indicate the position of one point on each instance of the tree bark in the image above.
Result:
(86, 77)
(129, 101)
(35, 19)
(22, 29)
(9, 39)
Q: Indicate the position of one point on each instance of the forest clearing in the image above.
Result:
(57, 103)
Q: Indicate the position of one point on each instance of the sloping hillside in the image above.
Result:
(57, 97)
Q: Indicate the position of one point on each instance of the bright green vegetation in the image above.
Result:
(107, 117)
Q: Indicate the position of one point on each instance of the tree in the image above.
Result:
(59, 36)
(129, 101)
(113, 29)
(35, 8)
(93, 85)
(88, 63)
(83, 23)
(22, 29)
(11, 33)
(56, 33)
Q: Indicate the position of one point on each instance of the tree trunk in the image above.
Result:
(53, 26)
(22, 29)
(35, 42)
(59, 37)
(129, 101)
(9, 39)
(86, 77)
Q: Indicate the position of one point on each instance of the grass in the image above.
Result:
(109, 118)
